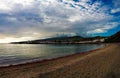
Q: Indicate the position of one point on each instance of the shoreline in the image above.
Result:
(99, 63)
(52, 59)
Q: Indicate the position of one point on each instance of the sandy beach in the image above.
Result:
(100, 63)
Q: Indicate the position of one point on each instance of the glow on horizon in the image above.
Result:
(22, 20)
(10, 39)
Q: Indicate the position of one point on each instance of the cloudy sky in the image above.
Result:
(35, 19)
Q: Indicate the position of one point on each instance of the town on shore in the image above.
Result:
(74, 40)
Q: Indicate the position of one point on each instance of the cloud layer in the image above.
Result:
(32, 19)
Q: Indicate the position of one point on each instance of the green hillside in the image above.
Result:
(114, 38)
(73, 39)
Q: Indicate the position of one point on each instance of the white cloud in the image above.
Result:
(115, 10)
(96, 31)
(102, 27)
(15, 5)
(116, 6)
(45, 18)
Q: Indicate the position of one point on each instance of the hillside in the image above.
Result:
(53, 40)
(73, 39)
(114, 38)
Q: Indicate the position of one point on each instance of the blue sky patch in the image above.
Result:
(33, 19)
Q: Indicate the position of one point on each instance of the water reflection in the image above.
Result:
(19, 53)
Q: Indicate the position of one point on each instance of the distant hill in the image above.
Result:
(53, 40)
(114, 38)
(73, 39)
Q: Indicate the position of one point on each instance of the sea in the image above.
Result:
(12, 54)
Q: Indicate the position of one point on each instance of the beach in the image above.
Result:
(100, 63)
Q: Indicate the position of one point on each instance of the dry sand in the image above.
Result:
(101, 63)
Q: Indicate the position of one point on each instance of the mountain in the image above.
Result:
(59, 40)
(114, 38)
(73, 39)
(53, 40)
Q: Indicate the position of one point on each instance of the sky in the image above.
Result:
(22, 20)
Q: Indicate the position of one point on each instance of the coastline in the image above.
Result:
(52, 59)
(48, 68)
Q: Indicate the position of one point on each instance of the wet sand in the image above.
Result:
(100, 63)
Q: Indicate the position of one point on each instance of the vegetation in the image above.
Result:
(114, 38)
(74, 39)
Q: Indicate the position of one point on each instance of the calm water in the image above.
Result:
(21, 53)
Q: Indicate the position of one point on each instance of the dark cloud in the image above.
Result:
(43, 18)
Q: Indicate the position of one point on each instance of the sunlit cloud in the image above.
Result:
(45, 18)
